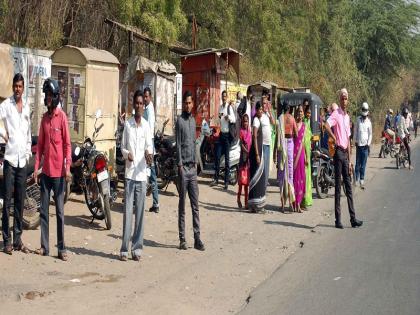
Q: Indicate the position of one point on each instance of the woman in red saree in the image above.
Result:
(299, 160)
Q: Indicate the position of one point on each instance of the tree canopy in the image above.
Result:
(370, 46)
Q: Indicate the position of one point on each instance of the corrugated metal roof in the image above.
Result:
(211, 50)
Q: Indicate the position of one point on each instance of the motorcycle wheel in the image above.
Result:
(392, 152)
(177, 185)
(320, 191)
(233, 176)
(162, 183)
(106, 210)
(30, 219)
(384, 151)
(96, 211)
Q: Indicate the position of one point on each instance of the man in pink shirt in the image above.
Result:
(340, 120)
(55, 149)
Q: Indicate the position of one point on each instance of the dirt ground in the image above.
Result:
(242, 250)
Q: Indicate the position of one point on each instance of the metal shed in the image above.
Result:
(160, 77)
(202, 72)
(35, 66)
(89, 80)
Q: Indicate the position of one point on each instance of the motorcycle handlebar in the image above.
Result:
(99, 128)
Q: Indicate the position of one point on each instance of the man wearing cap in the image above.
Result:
(340, 120)
(363, 139)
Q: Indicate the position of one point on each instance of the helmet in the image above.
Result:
(365, 109)
(405, 111)
(51, 85)
(390, 111)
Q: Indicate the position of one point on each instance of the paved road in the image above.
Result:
(372, 270)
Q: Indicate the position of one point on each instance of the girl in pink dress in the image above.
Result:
(243, 181)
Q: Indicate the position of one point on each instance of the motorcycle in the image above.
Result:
(401, 156)
(387, 146)
(90, 174)
(31, 210)
(205, 154)
(322, 172)
(165, 160)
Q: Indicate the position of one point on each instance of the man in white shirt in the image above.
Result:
(363, 139)
(404, 134)
(149, 115)
(227, 117)
(15, 114)
(137, 149)
(266, 121)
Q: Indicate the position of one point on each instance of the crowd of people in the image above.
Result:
(285, 138)
(399, 126)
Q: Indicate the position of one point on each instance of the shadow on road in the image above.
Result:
(84, 222)
(223, 208)
(91, 252)
(291, 224)
(147, 242)
(389, 168)
(229, 191)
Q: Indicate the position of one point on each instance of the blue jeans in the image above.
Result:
(135, 195)
(153, 183)
(266, 150)
(361, 159)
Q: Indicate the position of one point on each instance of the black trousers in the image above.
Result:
(55, 184)
(188, 183)
(407, 147)
(222, 149)
(14, 187)
(341, 169)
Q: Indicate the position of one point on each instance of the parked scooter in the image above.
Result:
(205, 154)
(90, 174)
(31, 211)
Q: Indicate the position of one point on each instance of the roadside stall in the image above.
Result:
(161, 78)
(89, 80)
(35, 66)
(202, 72)
(271, 87)
(232, 88)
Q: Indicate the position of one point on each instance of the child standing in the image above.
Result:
(245, 138)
